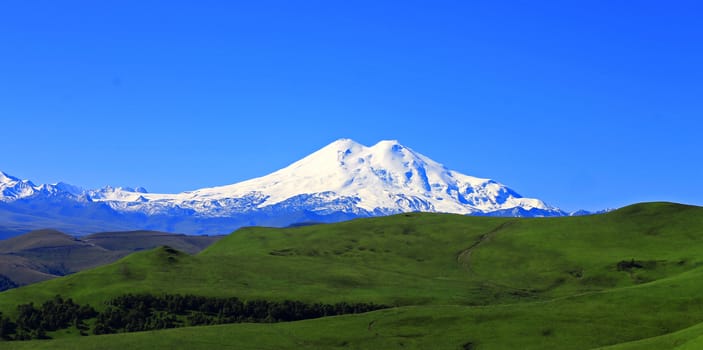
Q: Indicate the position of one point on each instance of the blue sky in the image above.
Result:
(590, 105)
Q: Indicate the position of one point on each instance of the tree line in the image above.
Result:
(52, 315)
(143, 312)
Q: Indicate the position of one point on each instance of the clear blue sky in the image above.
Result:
(590, 105)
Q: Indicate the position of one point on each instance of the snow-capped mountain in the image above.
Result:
(384, 178)
(12, 188)
(340, 181)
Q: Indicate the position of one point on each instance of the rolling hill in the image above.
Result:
(44, 254)
(456, 282)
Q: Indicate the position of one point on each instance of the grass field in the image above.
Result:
(630, 278)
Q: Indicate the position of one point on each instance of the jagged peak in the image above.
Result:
(6, 178)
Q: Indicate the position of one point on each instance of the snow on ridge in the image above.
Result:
(7, 178)
(386, 177)
(12, 188)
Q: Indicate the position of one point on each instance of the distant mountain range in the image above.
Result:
(343, 180)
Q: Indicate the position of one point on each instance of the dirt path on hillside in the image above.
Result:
(464, 256)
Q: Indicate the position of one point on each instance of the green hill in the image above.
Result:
(687, 339)
(457, 282)
(45, 254)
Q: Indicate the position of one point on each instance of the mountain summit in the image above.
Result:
(342, 180)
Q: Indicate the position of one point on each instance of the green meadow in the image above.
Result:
(628, 279)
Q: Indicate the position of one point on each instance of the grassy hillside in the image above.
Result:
(687, 339)
(458, 282)
(45, 254)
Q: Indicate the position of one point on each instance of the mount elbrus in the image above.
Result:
(341, 181)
